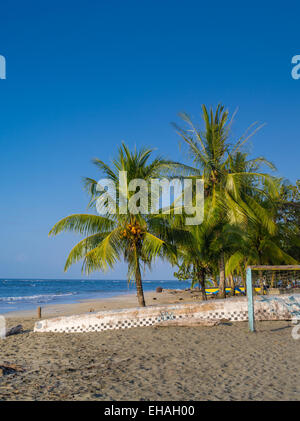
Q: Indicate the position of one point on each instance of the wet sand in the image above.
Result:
(223, 362)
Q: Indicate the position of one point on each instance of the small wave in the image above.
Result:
(34, 297)
(35, 280)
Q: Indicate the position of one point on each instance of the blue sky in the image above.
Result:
(84, 75)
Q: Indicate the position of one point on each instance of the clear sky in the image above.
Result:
(84, 75)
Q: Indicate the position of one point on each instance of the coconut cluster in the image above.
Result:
(132, 231)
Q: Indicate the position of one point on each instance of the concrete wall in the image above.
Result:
(233, 309)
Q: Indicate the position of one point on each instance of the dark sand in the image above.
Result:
(224, 362)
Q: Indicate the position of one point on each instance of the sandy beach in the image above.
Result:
(223, 362)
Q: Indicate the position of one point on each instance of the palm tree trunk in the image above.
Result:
(232, 286)
(215, 282)
(202, 284)
(139, 286)
(222, 291)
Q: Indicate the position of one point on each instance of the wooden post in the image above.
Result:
(39, 312)
(250, 300)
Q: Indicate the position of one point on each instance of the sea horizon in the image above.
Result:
(18, 294)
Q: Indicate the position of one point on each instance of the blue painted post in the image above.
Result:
(2, 67)
(250, 300)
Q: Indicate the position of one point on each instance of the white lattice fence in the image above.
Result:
(266, 308)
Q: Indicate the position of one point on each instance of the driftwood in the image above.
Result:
(14, 330)
(192, 322)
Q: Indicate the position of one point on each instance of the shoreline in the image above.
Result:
(24, 296)
(121, 301)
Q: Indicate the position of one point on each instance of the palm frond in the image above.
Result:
(82, 248)
(104, 255)
(83, 224)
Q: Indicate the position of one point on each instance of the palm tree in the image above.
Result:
(113, 236)
(229, 185)
(196, 253)
(288, 218)
(257, 246)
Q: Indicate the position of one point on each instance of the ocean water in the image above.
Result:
(27, 294)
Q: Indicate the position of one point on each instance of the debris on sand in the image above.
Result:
(10, 369)
(14, 330)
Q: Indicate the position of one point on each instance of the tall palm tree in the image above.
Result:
(196, 254)
(229, 185)
(288, 218)
(113, 236)
(257, 246)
